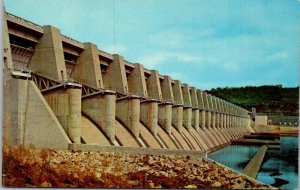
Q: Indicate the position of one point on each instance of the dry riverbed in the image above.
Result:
(30, 167)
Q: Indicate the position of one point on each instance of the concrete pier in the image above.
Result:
(254, 165)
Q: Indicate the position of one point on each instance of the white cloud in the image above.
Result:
(277, 56)
(152, 60)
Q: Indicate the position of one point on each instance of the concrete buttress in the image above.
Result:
(87, 68)
(48, 58)
(115, 77)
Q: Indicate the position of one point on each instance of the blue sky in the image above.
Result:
(206, 44)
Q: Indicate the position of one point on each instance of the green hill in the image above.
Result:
(266, 99)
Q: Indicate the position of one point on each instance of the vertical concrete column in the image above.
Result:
(220, 109)
(209, 113)
(215, 121)
(225, 121)
(221, 120)
(202, 107)
(177, 117)
(74, 117)
(149, 115)
(165, 110)
(128, 112)
(137, 82)
(102, 110)
(48, 58)
(225, 113)
(66, 105)
(216, 108)
(195, 105)
(115, 77)
(205, 107)
(187, 111)
(203, 119)
(59, 103)
(14, 116)
(229, 117)
(165, 117)
(177, 112)
(212, 113)
(110, 116)
(153, 85)
(6, 48)
(87, 68)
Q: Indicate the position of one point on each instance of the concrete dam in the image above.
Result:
(58, 91)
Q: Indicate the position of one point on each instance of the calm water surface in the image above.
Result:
(279, 168)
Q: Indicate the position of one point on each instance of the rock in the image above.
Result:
(231, 176)
(216, 184)
(134, 183)
(279, 182)
(191, 186)
(46, 184)
(238, 186)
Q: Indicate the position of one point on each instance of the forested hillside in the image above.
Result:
(266, 99)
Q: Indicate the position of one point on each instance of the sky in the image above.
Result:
(207, 44)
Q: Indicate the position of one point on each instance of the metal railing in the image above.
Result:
(21, 55)
(71, 39)
(70, 65)
(108, 54)
(24, 20)
(44, 83)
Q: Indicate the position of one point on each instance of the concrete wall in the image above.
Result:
(261, 120)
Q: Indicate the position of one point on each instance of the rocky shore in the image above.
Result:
(30, 167)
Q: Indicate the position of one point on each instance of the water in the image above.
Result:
(278, 163)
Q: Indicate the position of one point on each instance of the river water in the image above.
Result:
(279, 168)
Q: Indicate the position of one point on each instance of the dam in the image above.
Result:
(59, 92)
